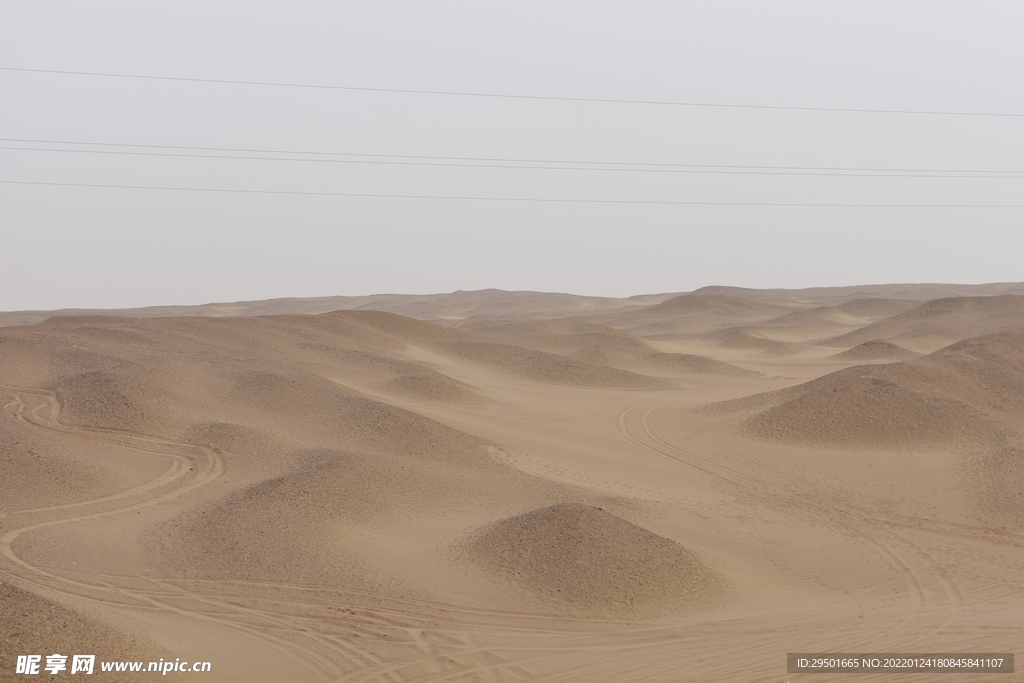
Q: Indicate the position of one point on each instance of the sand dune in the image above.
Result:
(294, 526)
(39, 469)
(961, 396)
(435, 387)
(605, 346)
(692, 314)
(541, 366)
(875, 307)
(588, 561)
(515, 486)
(875, 350)
(751, 339)
(942, 321)
(820, 315)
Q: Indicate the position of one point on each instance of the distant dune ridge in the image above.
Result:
(493, 304)
(589, 561)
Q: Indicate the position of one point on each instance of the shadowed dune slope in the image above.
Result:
(586, 560)
(969, 394)
(947, 320)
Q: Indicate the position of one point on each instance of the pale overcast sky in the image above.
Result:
(111, 247)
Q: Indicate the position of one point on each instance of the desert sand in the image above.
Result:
(516, 486)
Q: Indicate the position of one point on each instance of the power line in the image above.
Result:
(559, 200)
(517, 160)
(504, 163)
(508, 96)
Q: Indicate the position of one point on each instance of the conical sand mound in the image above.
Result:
(586, 560)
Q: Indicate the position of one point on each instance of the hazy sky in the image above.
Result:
(110, 247)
